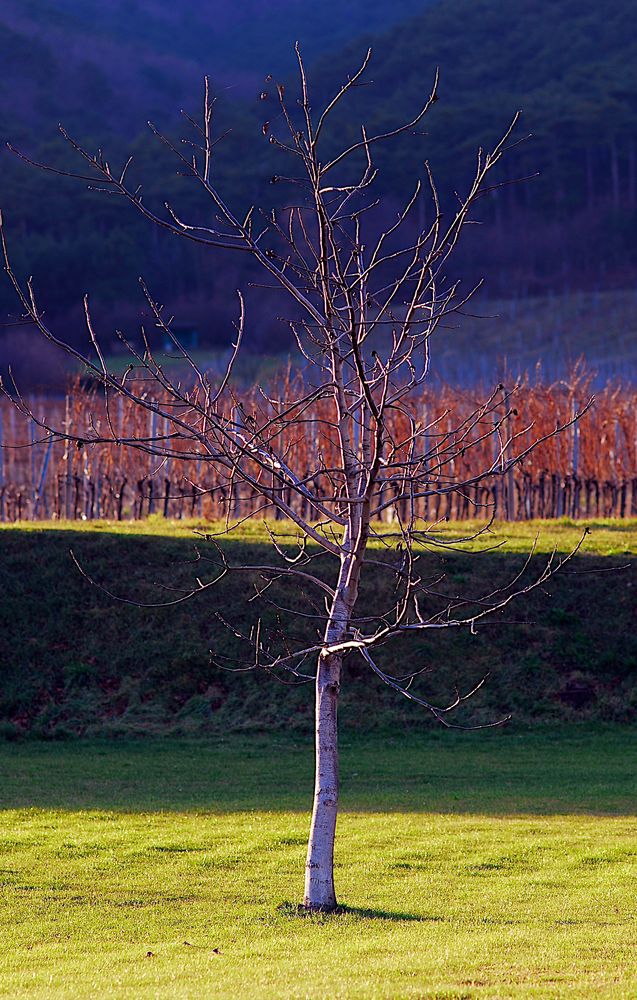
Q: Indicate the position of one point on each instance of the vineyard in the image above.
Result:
(587, 470)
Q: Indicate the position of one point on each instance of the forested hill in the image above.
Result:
(570, 67)
(112, 63)
(105, 66)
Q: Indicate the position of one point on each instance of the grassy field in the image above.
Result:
(498, 863)
(606, 536)
(483, 865)
(72, 661)
(554, 329)
(75, 662)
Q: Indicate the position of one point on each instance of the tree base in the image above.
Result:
(319, 907)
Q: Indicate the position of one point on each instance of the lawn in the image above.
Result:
(605, 536)
(489, 864)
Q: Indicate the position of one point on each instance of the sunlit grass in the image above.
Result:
(491, 865)
(606, 536)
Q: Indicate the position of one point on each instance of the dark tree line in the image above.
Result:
(571, 68)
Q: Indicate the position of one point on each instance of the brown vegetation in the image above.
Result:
(590, 470)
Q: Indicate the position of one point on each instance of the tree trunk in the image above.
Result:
(319, 869)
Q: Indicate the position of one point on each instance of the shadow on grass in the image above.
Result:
(581, 770)
(298, 910)
(74, 662)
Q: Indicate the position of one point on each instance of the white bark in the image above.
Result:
(319, 869)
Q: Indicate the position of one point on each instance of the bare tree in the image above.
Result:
(365, 302)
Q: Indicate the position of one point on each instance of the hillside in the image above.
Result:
(114, 63)
(73, 661)
(571, 69)
(104, 69)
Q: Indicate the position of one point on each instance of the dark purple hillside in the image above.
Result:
(120, 61)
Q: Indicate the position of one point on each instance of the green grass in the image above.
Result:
(75, 662)
(484, 865)
(606, 536)
(250, 367)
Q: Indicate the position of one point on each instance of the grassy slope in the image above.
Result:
(555, 330)
(479, 865)
(73, 661)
